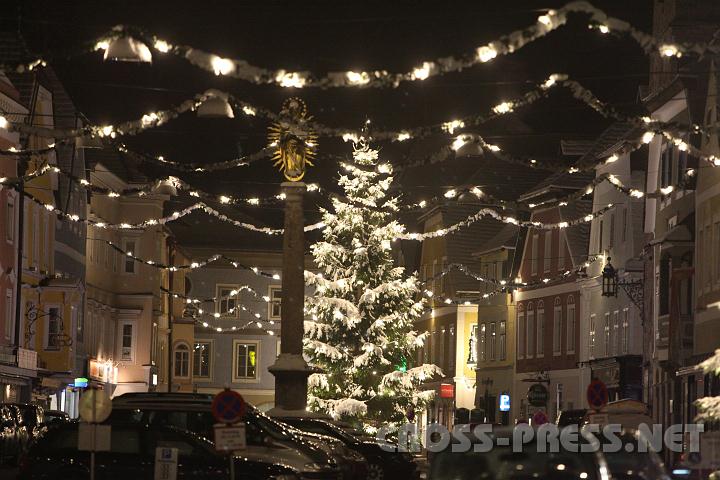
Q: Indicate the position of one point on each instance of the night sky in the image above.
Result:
(323, 36)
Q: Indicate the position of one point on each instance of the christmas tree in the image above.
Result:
(361, 330)
(709, 407)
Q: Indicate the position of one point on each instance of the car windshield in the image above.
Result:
(638, 463)
(274, 428)
(501, 463)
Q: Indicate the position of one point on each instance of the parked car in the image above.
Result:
(631, 462)
(132, 456)
(11, 441)
(267, 440)
(505, 461)
(571, 417)
(33, 419)
(381, 463)
(55, 416)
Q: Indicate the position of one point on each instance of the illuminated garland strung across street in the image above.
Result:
(140, 42)
(216, 315)
(487, 212)
(151, 187)
(198, 264)
(160, 117)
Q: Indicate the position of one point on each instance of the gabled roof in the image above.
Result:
(558, 184)
(610, 140)
(578, 236)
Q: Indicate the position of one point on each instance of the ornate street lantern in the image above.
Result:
(609, 280)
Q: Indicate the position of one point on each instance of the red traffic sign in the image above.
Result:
(228, 406)
(539, 418)
(597, 395)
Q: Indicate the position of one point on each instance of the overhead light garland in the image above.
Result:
(135, 45)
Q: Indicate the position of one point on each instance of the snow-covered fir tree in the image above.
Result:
(709, 407)
(360, 328)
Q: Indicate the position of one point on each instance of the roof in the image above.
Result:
(560, 183)
(118, 164)
(578, 236)
(609, 140)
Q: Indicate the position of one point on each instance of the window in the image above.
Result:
(80, 327)
(36, 237)
(530, 331)
(53, 329)
(473, 345)
(442, 348)
(492, 338)
(201, 359)
(606, 335)
(708, 261)
(600, 237)
(483, 342)
(611, 240)
(541, 329)
(623, 231)
(246, 360)
(591, 336)
(616, 333)
(501, 341)
(717, 252)
(666, 166)
(126, 342)
(534, 255)
(547, 255)
(275, 305)
(557, 327)
(561, 251)
(10, 221)
(129, 262)
(9, 313)
(452, 349)
(626, 332)
(521, 331)
(181, 363)
(227, 299)
(570, 319)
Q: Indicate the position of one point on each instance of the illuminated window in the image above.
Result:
(245, 360)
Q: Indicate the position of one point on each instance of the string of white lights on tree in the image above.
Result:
(139, 42)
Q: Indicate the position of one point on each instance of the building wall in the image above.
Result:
(204, 284)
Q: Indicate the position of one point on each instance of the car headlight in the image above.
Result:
(316, 467)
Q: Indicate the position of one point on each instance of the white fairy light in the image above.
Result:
(384, 168)
(477, 192)
(545, 19)
(194, 265)
(448, 301)
(667, 190)
(636, 193)
(4, 122)
(266, 298)
(102, 45)
(271, 333)
(205, 324)
(450, 193)
(422, 72)
(49, 207)
(290, 79)
(603, 28)
(563, 225)
(614, 180)
(248, 110)
(648, 137)
(225, 199)
(486, 53)
(504, 107)
(458, 143)
(281, 196)
(350, 137)
(222, 66)
(253, 201)
(276, 276)
(612, 158)
(257, 315)
(669, 50)
(100, 225)
(453, 125)
(162, 46)
(422, 203)
(218, 329)
(546, 280)
(74, 218)
(84, 182)
(403, 136)
(573, 170)
(216, 315)
(113, 194)
(357, 78)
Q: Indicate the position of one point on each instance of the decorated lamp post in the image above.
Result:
(295, 147)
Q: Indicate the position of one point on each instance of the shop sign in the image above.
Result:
(537, 395)
(447, 390)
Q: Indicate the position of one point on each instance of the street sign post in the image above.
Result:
(597, 395)
(228, 407)
(95, 407)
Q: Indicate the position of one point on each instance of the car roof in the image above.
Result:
(164, 401)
